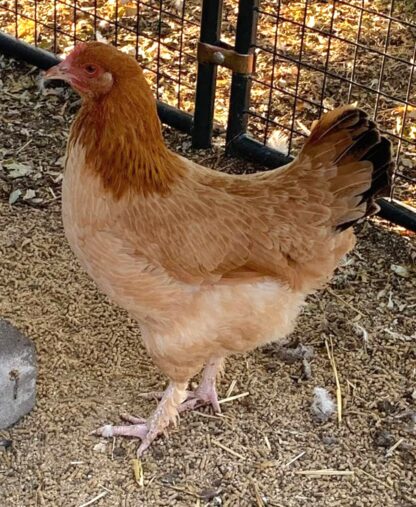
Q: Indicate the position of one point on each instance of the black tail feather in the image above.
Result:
(370, 146)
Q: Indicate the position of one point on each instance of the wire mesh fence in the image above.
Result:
(162, 35)
(311, 56)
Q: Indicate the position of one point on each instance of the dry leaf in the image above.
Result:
(29, 194)
(400, 270)
(14, 196)
(17, 170)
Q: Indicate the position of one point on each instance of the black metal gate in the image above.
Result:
(289, 61)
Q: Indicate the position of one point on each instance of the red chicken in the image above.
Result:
(209, 264)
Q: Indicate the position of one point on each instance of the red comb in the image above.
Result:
(79, 48)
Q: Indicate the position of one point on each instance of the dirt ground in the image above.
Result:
(92, 365)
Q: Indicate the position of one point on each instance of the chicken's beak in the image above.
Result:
(60, 71)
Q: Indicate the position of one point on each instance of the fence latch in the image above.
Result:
(227, 57)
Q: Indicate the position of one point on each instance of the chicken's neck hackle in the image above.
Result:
(122, 138)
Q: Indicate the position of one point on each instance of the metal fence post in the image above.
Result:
(240, 85)
(207, 75)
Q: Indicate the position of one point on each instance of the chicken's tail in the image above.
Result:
(357, 160)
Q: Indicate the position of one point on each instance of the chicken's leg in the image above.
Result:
(165, 413)
(206, 392)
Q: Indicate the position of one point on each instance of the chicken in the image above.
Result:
(209, 264)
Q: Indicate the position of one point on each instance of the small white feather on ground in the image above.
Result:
(323, 405)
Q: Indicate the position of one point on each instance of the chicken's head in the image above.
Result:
(93, 68)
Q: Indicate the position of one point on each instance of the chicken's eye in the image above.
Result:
(90, 69)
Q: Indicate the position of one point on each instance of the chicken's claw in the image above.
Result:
(134, 430)
(201, 397)
(132, 419)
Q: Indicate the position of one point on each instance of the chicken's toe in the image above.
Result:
(147, 431)
(209, 396)
(132, 419)
(134, 430)
(201, 397)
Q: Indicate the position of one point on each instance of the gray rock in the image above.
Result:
(18, 370)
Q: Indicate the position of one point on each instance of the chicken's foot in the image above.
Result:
(205, 393)
(165, 413)
(174, 400)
